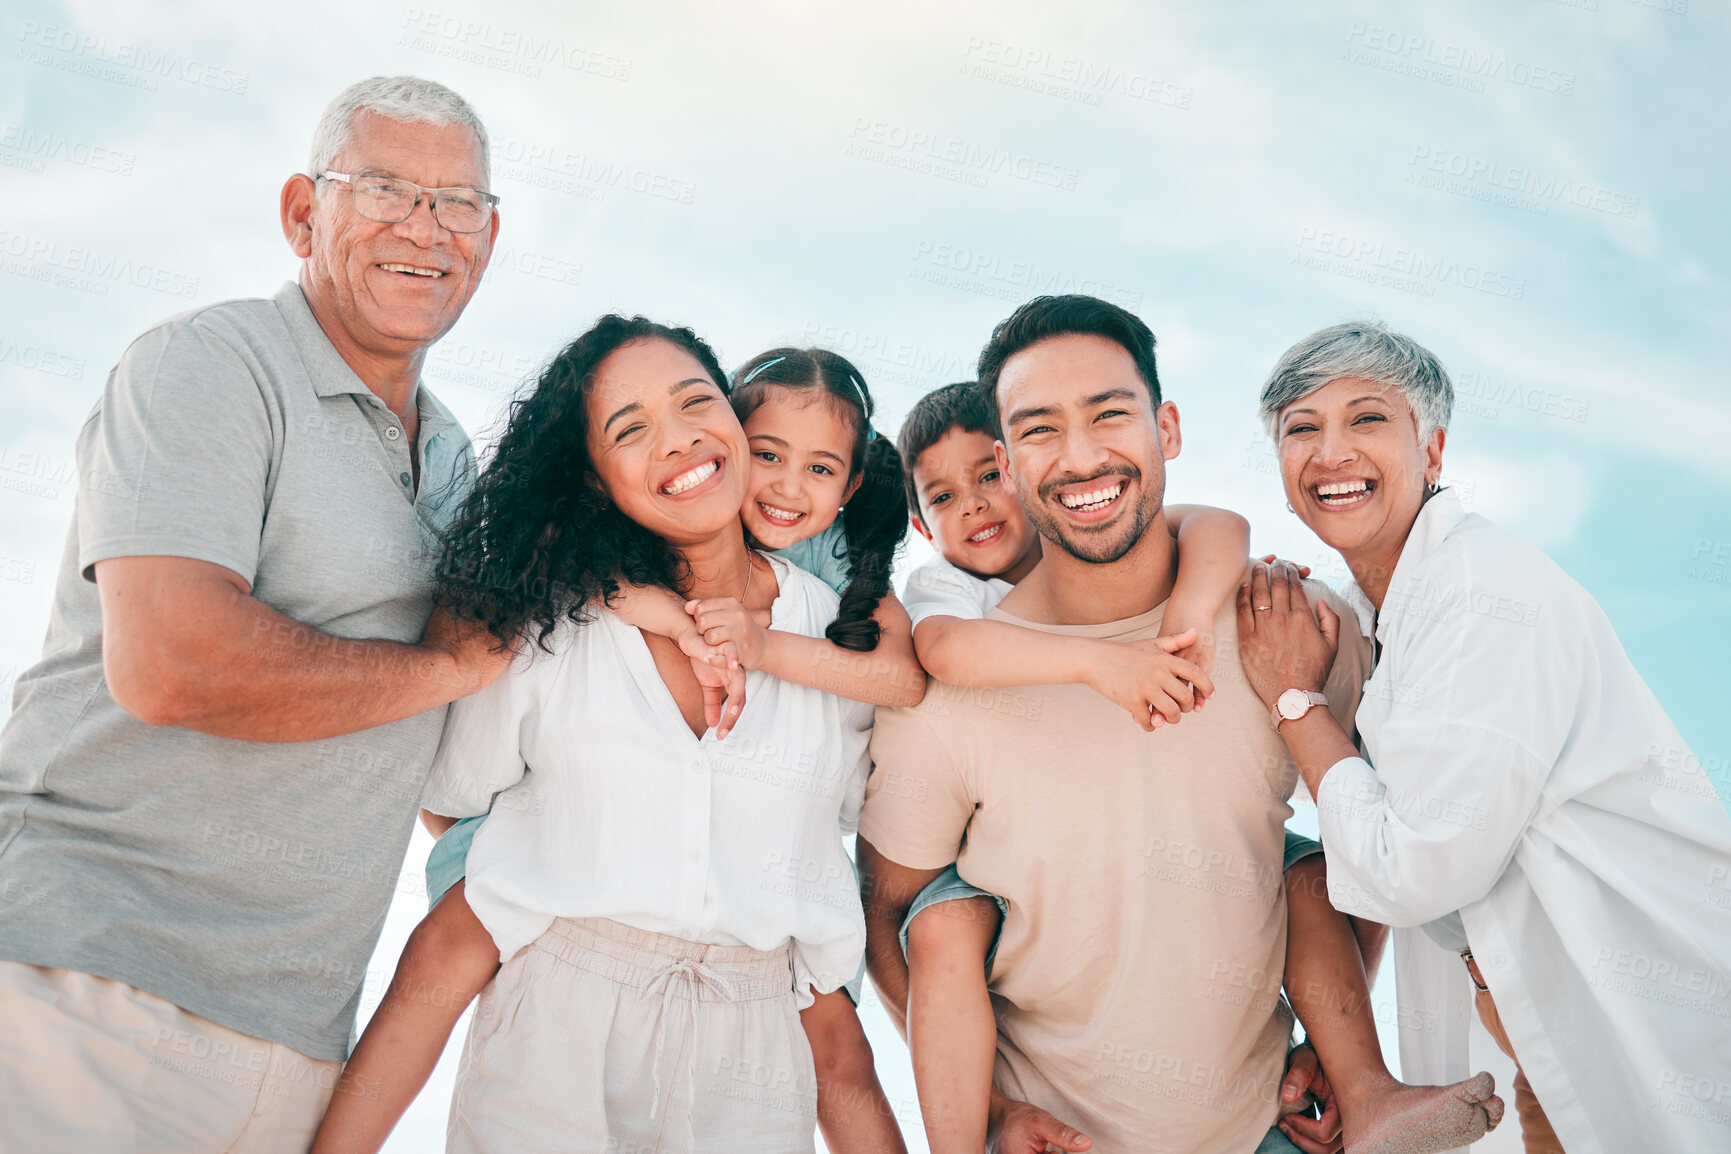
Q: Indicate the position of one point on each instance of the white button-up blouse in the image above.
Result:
(605, 805)
(1518, 769)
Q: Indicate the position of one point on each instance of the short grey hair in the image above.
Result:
(408, 99)
(1366, 351)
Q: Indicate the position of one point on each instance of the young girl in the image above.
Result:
(807, 417)
(825, 494)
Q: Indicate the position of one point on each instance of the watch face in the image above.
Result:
(1294, 703)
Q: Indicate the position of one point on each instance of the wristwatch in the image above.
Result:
(1293, 704)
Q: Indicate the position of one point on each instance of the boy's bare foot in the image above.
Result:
(1401, 1119)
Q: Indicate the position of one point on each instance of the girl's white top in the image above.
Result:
(1517, 769)
(605, 805)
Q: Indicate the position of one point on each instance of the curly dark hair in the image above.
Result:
(873, 521)
(537, 540)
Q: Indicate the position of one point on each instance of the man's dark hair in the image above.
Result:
(958, 406)
(1054, 316)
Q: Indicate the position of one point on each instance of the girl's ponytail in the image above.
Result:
(874, 522)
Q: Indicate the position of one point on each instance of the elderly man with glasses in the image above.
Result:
(208, 782)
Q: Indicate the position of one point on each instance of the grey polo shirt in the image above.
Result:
(244, 881)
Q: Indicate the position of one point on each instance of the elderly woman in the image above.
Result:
(1521, 796)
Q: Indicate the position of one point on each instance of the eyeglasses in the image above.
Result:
(389, 200)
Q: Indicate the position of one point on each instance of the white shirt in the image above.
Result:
(939, 589)
(605, 805)
(1525, 775)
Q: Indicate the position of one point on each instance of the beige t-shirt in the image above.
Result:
(1138, 975)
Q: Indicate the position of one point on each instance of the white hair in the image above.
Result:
(1365, 351)
(407, 99)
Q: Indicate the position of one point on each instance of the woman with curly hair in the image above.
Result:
(671, 907)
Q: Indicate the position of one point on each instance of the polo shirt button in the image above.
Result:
(392, 432)
(404, 478)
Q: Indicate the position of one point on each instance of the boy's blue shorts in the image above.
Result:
(949, 887)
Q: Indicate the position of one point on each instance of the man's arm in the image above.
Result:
(887, 890)
(184, 644)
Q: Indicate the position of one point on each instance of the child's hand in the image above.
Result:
(1181, 620)
(724, 619)
(1148, 681)
(1272, 560)
(722, 681)
(719, 675)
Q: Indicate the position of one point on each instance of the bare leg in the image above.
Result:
(1325, 980)
(447, 960)
(951, 1029)
(852, 1111)
(1537, 1135)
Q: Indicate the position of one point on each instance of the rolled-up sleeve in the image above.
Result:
(1406, 848)
(857, 718)
(1462, 757)
(480, 752)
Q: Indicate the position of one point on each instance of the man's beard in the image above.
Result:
(1101, 547)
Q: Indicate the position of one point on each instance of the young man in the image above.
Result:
(1139, 963)
(208, 782)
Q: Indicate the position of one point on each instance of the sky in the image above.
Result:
(1534, 189)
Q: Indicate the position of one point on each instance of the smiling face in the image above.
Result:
(969, 512)
(666, 446)
(1354, 466)
(801, 457)
(1084, 444)
(389, 290)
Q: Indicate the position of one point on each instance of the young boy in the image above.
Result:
(959, 503)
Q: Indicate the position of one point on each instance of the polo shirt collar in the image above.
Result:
(331, 375)
(1435, 521)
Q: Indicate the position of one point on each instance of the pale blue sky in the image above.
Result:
(1534, 189)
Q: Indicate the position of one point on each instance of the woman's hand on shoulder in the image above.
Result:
(1282, 642)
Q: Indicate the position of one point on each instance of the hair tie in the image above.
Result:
(871, 434)
(760, 368)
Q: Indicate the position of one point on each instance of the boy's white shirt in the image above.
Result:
(938, 588)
